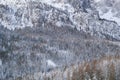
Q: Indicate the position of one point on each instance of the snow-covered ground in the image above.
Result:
(105, 12)
(13, 3)
(16, 4)
(0, 62)
(9, 19)
(109, 10)
(110, 16)
(56, 3)
(61, 4)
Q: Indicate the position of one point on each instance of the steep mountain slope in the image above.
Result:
(42, 39)
(86, 15)
(36, 51)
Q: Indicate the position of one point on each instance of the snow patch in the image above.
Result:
(59, 23)
(97, 1)
(13, 3)
(108, 10)
(0, 62)
(51, 63)
(109, 16)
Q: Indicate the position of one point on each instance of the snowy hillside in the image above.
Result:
(109, 10)
(59, 40)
